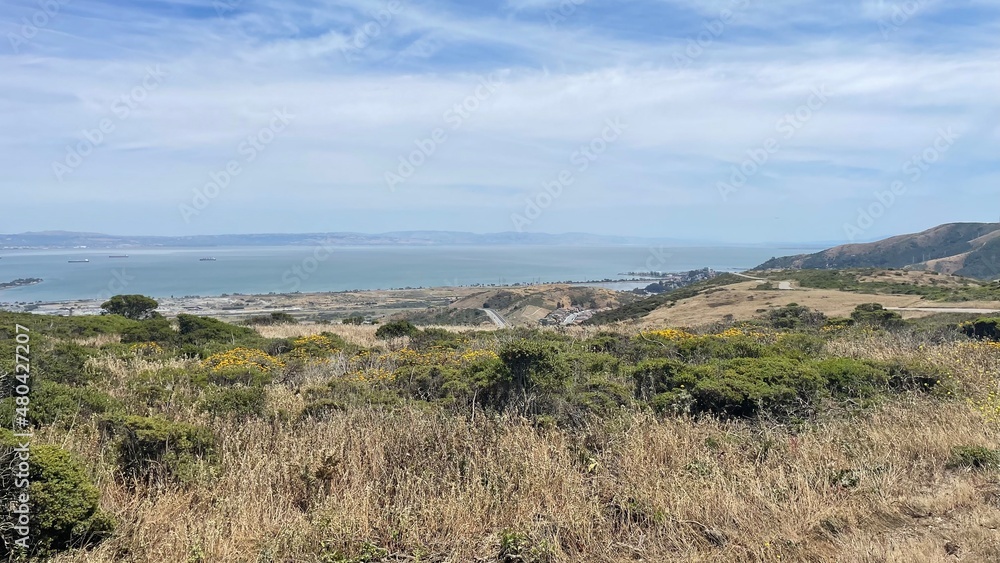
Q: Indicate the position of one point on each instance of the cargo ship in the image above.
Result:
(84, 261)
(118, 256)
(208, 259)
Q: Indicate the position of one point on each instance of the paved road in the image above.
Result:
(783, 286)
(497, 319)
(749, 277)
(945, 310)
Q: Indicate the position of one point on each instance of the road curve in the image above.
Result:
(496, 318)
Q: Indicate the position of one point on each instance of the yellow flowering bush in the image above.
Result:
(243, 359)
(670, 334)
(145, 349)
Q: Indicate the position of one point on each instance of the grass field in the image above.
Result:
(789, 438)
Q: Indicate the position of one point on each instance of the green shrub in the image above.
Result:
(396, 329)
(653, 377)
(276, 318)
(57, 403)
(974, 457)
(135, 307)
(846, 377)
(983, 329)
(204, 330)
(794, 316)
(798, 345)
(534, 365)
(436, 337)
(522, 548)
(737, 388)
(62, 500)
(157, 329)
(166, 386)
(153, 449)
(600, 397)
(874, 314)
(239, 402)
(707, 349)
(63, 363)
(913, 375)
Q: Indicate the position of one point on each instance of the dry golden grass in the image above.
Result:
(657, 490)
(869, 486)
(362, 335)
(743, 302)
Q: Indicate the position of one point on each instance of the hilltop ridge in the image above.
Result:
(963, 249)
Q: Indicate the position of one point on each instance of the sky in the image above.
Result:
(728, 120)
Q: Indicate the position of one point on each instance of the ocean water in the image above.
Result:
(260, 270)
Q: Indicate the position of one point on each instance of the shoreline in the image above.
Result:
(316, 306)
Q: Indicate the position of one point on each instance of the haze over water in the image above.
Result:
(181, 272)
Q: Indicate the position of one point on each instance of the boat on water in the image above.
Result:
(84, 261)
(207, 259)
(118, 256)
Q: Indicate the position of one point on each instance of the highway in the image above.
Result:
(497, 319)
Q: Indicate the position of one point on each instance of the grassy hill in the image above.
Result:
(964, 249)
(786, 438)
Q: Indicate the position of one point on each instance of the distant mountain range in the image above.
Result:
(964, 249)
(64, 239)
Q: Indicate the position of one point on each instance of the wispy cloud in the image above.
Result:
(229, 69)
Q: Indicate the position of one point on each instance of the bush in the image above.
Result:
(794, 316)
(152, 449)
(135, 307)
(798, 345)
(396, 329)
(64, 363)
(276, 318)
(983, 329)
(974, 457)
(157, 329)
(62, 499)
(600, 397)
(653, 377)
(874, 314)
(56, 402)
(436, 337)
(847, 377)
(203, 330)
(745, 387)
(239, 402)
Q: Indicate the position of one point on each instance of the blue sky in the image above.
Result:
(849, 120)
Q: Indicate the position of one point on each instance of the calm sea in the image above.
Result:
(258, 270)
